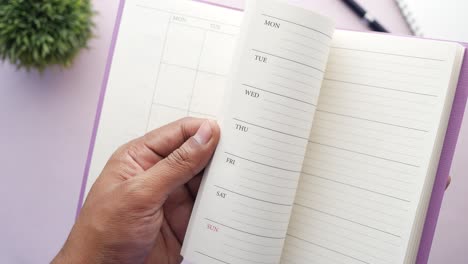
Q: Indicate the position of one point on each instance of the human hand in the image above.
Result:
(138, 209)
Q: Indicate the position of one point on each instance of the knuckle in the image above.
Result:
(181, 159)
(186, 119)
(125, 149)
(124, 160)
(131, 150)
(119, 152)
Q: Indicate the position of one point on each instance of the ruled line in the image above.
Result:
(182, 109)
(242, 231)
(358, 196)
(284, 123)
(369, 174)
(351, 160)
(157, 76)
(193, 69)
(376, 61)
(268, 175)
(303, 45)
(275, 158)
(357, 187)
(365, 154)
(240, 194)
(269, 184)
(297, 24)
(202, 28)
(278, 150)
(323, 43)
(248, 242)
(380, 87)
(260, 163)
(261, 209)
(268, 193)
(370, 120)
(403, 117)
(261, 218)
(379, 219)
(293, 80)
(276, 140)
(285, 115)
(327, 248)
(257, 226)
(393, 79)
(356, 90)
(363, 129)
(334, 226)
(267, 128)
(294, 61)
(378, 252)
(370, 145)
(302, 54)
(387, 53)
(292, 89)
(252, 252)
(331, 65)
(289, 250)
(423, 108)
(325, 199)
(208, 256)
(298, 72)
(282, 95)
(346, 219)
(246, 259)
(181, 14)
(197, 74)
(287, 106)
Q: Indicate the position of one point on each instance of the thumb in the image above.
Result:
(183, 163)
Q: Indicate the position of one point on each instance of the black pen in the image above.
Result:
(362, 13)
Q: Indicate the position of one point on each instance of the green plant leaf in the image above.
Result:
(36, 34)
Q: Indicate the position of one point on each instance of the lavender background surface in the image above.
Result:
(46, 127)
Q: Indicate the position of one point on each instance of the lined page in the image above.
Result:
(243, 207)
(373, 149)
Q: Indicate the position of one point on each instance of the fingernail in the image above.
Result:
(204, 133)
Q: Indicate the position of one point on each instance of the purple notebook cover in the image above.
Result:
(443, 170)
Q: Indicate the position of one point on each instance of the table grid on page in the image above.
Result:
(171, 60)
(194, 65)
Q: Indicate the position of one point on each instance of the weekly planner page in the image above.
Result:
(244, 204)
(171, 60)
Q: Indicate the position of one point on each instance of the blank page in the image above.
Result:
(243, 207)
(373, 150)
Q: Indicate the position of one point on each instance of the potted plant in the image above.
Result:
(35, 34)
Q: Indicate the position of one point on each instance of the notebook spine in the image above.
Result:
(410, 17)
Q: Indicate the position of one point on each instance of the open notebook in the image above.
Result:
(331, 139)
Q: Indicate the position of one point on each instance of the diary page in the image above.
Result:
(171, 60)
(373, 150)
(244, 204)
